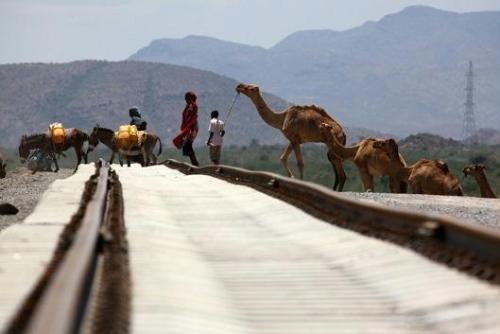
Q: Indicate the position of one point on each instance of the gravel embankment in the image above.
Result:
(23, 190)
(475, 210)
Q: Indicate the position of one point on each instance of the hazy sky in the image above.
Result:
(65, 30)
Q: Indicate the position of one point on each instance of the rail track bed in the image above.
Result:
(265, 254)
(473, 210)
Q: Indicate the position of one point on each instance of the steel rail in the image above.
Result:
(60, 308)
(483, 242)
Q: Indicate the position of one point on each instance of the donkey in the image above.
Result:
(107, 137)
(39, 141)
(145, 150)
(72, 138)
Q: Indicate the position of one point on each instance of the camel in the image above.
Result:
(107, 137)
(430, 177)
(370, 161)
(3, 167)
(73, 138)
(299, 124)
(478, 172)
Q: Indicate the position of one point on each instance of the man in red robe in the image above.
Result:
(189, 128)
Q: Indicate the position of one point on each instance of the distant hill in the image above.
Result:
(487, 136)
(81, 94)
(354, 135)
(425, 142)
(403, 74)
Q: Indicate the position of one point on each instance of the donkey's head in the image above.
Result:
(93, 138)
(23, 149)
(28, 143)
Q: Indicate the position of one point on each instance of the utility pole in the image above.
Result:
(469, 127)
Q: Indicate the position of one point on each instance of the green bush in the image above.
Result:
(317, 167)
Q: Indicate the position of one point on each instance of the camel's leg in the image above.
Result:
(338, 169)
(403, 187)
(336, 180)
(340, 173)
(284, 159)
(394, 185)
(300, 160)
(416, 188)
(367, 179)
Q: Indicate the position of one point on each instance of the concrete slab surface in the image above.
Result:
(208, 256)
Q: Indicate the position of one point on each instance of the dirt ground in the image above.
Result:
(473, 210)
(23, 189)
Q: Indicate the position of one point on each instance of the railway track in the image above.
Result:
(86, 287)
(471, 249)
(229, 271)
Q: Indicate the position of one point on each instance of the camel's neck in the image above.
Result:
(343, 152)
(484, 186)
(405, 172)
(269, 116)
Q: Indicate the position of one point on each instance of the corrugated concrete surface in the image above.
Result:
(208, 256)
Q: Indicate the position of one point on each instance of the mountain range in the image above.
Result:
(402, 74)
(84, 93)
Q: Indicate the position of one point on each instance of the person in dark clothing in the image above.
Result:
(136, 119)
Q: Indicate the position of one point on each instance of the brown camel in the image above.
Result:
(430, 177)
(370, 161)
(3, 167)
(478, 172)
(299, 124)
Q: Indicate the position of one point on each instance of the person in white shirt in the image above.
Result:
(214, 142)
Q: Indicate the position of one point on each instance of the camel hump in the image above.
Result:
(313, 107)
(479, 167)
(443, 166)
